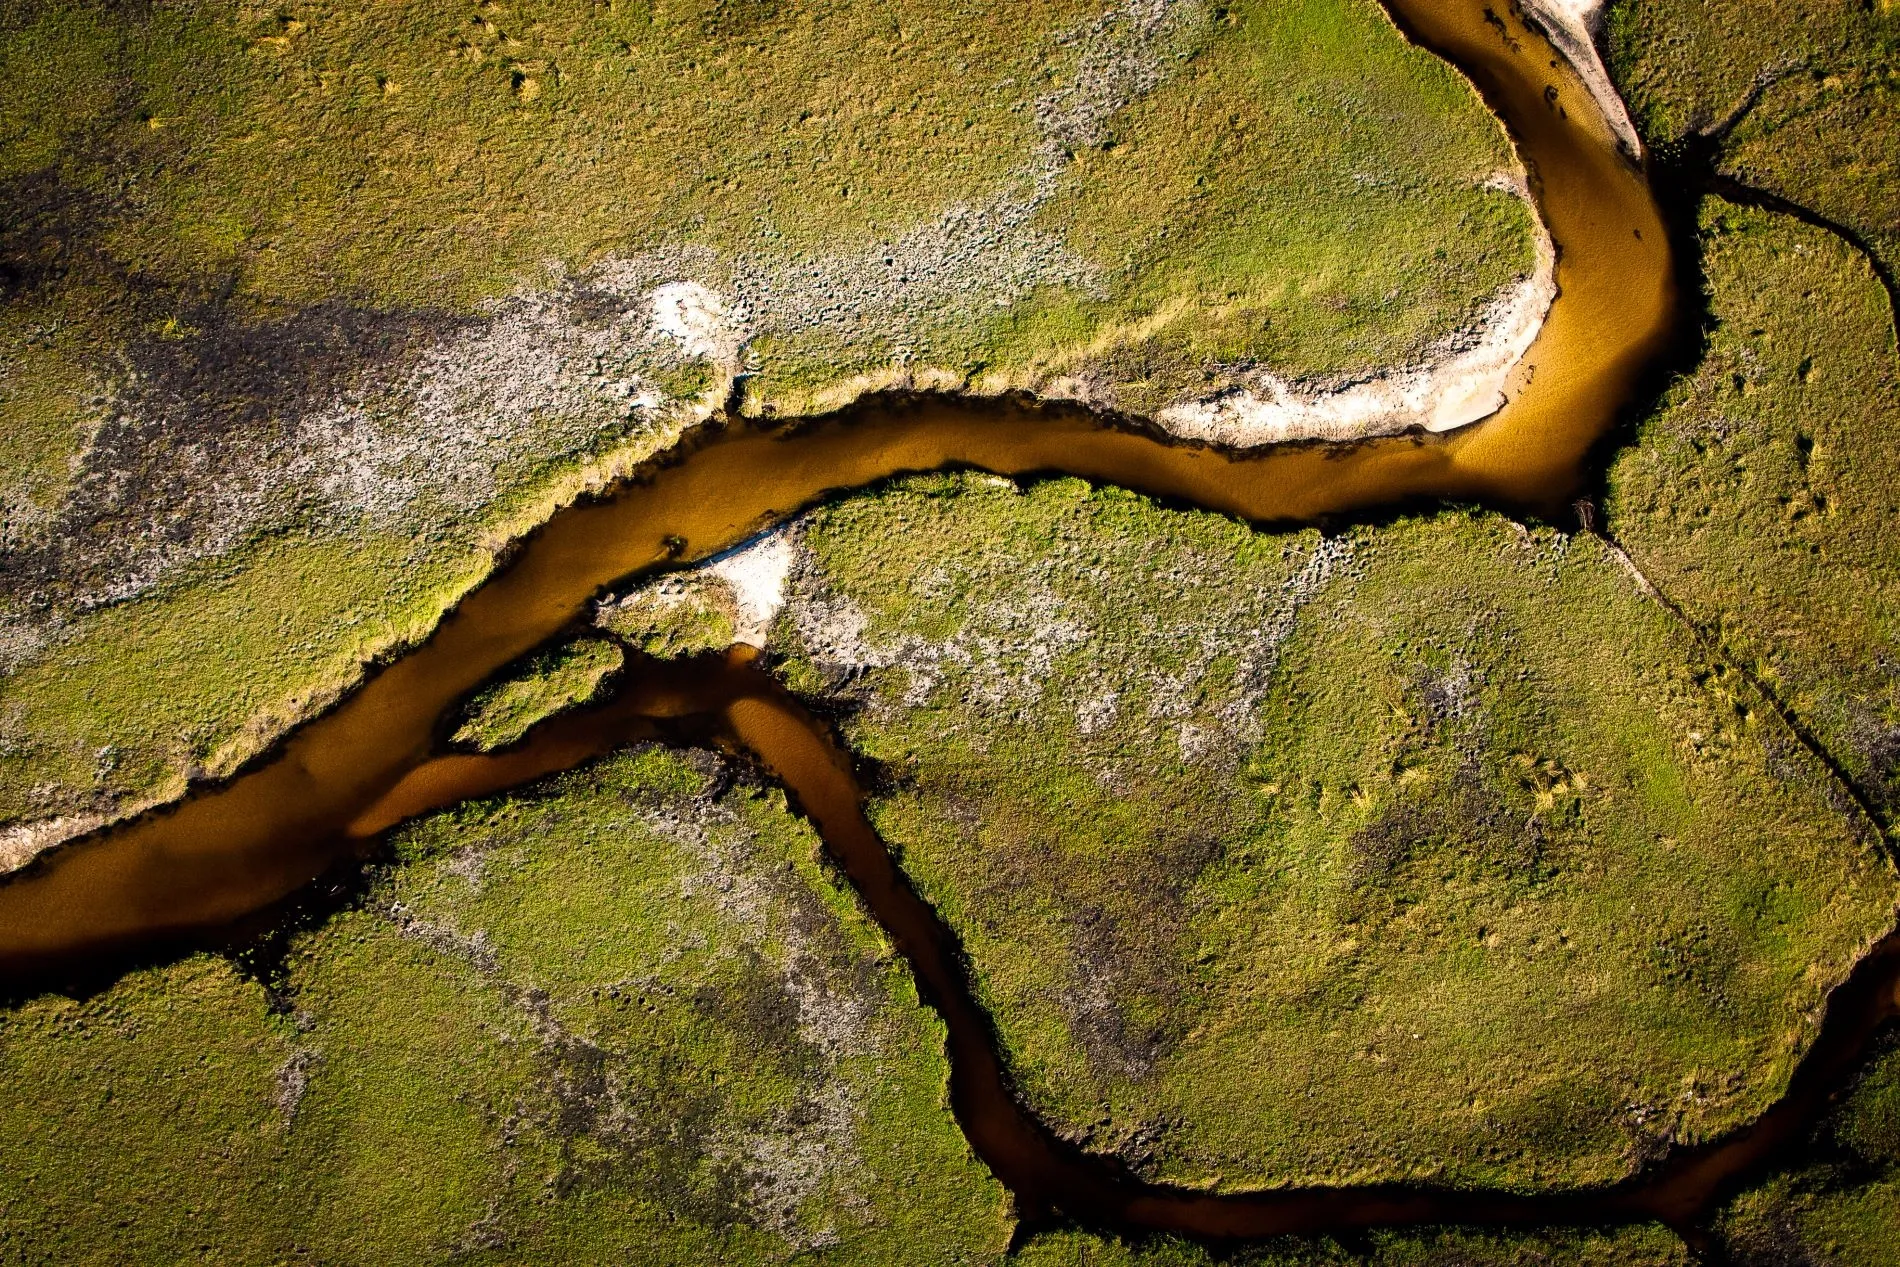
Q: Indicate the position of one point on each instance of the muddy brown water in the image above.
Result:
(728, 702)
(339, 781)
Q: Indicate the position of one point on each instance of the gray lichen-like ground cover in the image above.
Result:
(307, 309)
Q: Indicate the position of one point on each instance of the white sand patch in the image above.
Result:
(1460, 382)
(703, 324)
(746, 586)
(1573, 26)
(757, 574)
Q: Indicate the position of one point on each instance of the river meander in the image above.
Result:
(326, 793)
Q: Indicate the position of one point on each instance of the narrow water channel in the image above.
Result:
(248, 843)
(337, 782)
(726, 701)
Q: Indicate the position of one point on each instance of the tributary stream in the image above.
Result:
(326, 793)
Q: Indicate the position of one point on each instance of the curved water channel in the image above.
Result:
(329, 790)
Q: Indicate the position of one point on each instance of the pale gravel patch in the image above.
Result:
(703, 324)
(756, 574)
(22, 842)
(291, 1080)
(745, 584)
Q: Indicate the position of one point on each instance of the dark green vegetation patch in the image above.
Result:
(1839, 1200)
(1641, 1246)
(546, 684)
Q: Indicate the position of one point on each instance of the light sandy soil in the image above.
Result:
(757, 573)
(19, 844)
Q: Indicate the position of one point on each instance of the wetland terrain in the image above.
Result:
(1067, 749)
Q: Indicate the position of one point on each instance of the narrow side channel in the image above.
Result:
(727, 701)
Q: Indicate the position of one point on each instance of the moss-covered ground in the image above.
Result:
(1428, 850)
(621, 1016)
(1762, 494)
(682, 615)
(1433, 848)
(304, 309)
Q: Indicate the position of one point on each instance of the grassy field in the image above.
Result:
(304, 310)
(624, 1012)
(1804, 98)
(549, 682)
(1431, 850)
(1764, 493)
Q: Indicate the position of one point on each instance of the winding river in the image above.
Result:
(329, 790)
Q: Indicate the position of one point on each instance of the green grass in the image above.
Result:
(194, 200)
(142, 1121)
(1763, 495)
(203, 674)
(1433, 851)
(681, 615)
(625, 1012)
(1825, 133)
(549, 682)
(425, 152)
